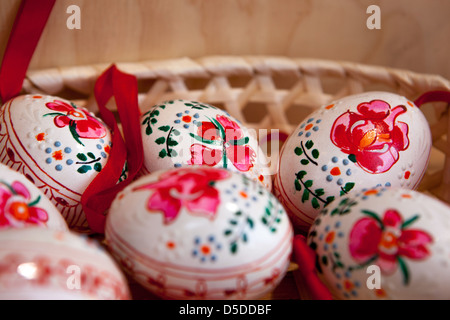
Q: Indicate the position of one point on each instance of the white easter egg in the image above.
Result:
(384, 243)
(22, 204)
(59, 146)
(200, 233)
(180, 132)
(360, 141)
(44, 264)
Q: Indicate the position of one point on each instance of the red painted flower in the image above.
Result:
(16, 207)
(81, 124)
(372, 136)
(227, 135)
(191, 188)
(386, 241)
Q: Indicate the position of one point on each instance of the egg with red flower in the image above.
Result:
(57, 145)
(383, 243)
(180, 133)
(360, 141)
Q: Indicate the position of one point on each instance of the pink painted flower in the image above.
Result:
(386, 241)
(191, 188)
(372, 136)
(16, 207)
(80, 122)
(229, 142)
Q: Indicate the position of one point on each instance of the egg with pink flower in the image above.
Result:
(180, 133)
(59, 146)
(200, 232)
(360, 141)
(384, 243)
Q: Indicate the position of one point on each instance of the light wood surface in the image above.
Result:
(413, 34)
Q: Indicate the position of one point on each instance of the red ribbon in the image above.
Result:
(433, 96)
(28, 26)
(98, 196)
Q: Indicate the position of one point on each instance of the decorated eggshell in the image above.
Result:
(384, 243)
(200, 233)
(181, 132)
(44, 264)
(361, 141)
(59, 146)
(24, 205)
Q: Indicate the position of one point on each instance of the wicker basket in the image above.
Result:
(264, 92)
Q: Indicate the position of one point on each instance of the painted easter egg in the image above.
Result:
(58, 145)
(44, 264)
(181, 132)
(361, 141)
(384, 243)
(24, 205)
(198, 232)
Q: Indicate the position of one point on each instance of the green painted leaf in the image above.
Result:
(319, 192)
(98, 167)
(173, 153)
(309, 144)
(404, 270)
(160, 140)
(35, 202)
(305, 196)
(148, 130)
(163, 153)
(349, 186)
(315, 153)
(84, 169)
(250, 222)
(330, 199)
(298, 186)
(409, 221)
(375, 216)
(228, 232)
(315, 203)
(298, 151)
(308, 183)
(164, 128)
(244, 237)
(172, 142)
(304, 162)
(301, 174)
(91, 155)
(81, 156)
(176, 132)
(153, 121)
(233, 247)
(352, 158)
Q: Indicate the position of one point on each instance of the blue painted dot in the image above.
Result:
(388, 184)
(213, 258)
(338, 275)
(325, 247)
(310, 120)
(69, 162)
(218, 246)
(48, 160)
(321, 237)
(255, 198)
(203, 259)
(354, 293)
(67, 150)
(340, 182)
(329, 178)
(177, 165)
(334, 246)
(364, 197)
(48, 150)
(337, 224)
(234, 200)
(197, 240)
(327, 228)
(234, 186)
(340, 234)
(211, 238)
(302, 125)
(186, 126)
(338, 285)
(348, 172)
(110, 143)
(308, 134)
(196, 116)
(335, 159)
(318, 120)
(300, 133)
(99, 146)
(345, 162)
(179, 114)
(228, 191)
(177, 121)
(324, 168)
(194, 253)
(347, 274)
(357, 284)
(102, 141)
(59, 167)
(315, 128)
(57, 144)
(187, 111)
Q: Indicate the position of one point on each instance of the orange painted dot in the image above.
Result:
(329, 106)
(370, 192)
(243, 194)
(57, 155)
(40, 136)
(335, 171)
(309, 126)
(107, 149)
(410, 103)
(37, 97)
(187, 118)
(19, 210)
(407, 175)
(170, 245)
(380, 293)
(205, 250)
(330, 237)
(261, 178)
(406, 196)
(348, 285)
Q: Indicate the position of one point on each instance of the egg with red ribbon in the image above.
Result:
(59, 146)
(180, 133)
(360, 141)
